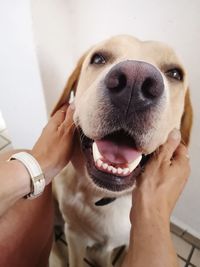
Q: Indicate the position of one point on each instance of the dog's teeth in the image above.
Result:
(126, 171)
(109, 168)
(102, 165)
(119, 170)
(99, 163)
(114, 170)
(134, 164)
(96, 153)
(105, 166)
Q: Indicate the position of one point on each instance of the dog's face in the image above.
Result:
(129, 96)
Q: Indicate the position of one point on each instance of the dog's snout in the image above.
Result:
(134, 82)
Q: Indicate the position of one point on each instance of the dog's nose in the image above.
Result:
(134, 83)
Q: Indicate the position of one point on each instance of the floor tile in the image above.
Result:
(191, 239)
(182, 247)
(176, 230)
(181, 262)
(196, 258)
(3, 142)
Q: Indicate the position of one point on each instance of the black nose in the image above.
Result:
(134, 83)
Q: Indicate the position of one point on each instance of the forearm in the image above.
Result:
(151, 244)
(14, 182)
(157, 190)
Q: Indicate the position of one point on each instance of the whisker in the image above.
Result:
(82, 136)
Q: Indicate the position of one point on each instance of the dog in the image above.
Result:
(129, 95)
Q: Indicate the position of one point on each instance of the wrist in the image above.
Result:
(45, 165)
(149, 215)
(34, 171)
(21, 186)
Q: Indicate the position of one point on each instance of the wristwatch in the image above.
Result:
(35, 171)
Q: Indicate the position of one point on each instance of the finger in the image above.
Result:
(58, 118)
(181, 156)
(166, 151)
(68, 124)
(63, 109)
(181, 167)
(69, 116)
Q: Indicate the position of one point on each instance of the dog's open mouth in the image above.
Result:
(113, 162)
(116, 155)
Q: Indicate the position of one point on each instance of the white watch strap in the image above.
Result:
(36, 174)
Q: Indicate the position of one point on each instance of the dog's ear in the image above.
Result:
(186, 120)
(71, 85)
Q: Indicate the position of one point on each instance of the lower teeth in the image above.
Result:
(112, 169)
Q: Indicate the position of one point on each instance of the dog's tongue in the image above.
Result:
(117, 153)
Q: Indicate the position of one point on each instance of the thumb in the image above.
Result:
(68, 123)
(167, 150)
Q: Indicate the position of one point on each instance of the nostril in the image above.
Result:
(122, 81)
(117, 82)
(150, 88)
(147, 88)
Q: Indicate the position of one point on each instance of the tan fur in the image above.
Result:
(101, 229)
(186, 120)
(71, 85)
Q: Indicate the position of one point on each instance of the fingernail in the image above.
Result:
(175, 134)
(71, 97)
(63, 108)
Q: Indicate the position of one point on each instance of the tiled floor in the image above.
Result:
(189, 255)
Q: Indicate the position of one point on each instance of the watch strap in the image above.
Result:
(35, 171)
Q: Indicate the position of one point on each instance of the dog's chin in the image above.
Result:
(108, 175)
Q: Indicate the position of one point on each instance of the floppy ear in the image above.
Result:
(71, 85)
(186, 120)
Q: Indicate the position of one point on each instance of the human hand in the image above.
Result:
(54, 147)
(160, 185)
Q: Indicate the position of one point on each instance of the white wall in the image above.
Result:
(65, 29)
(53, 42)
(21, 96)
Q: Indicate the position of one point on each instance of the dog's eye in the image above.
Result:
(176, 74)
(97, 59)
